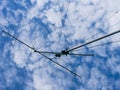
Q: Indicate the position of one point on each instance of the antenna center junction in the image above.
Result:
(63, 52)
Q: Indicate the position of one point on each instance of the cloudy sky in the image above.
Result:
(55, 25)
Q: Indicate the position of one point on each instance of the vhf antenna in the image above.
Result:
(41, 53)
(64, 52)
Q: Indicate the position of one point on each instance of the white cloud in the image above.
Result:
(97, 80)
(113, 64)
(10, 74)
(3, 21)
(75, 29)
(33, 12)
(54, 17)
(20, 55)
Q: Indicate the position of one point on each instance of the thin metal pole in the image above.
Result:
(81, 54)
(60, 65)
(27, 44)
(17, 39)
(93, 41)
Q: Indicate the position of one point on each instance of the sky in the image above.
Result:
(56, 25)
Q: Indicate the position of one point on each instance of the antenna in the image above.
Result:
(63, 52)
(41, 53)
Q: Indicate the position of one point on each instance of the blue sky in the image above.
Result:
(54, 25)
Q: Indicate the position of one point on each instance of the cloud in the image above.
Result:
(53, 26)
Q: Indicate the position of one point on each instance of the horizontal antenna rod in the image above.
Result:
(81, 54)
(93, 41)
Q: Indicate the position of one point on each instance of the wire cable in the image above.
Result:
(116, 12)
(91, 12)
(99, 32)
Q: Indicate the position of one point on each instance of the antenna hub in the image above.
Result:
(64, 52)
(58, 54)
